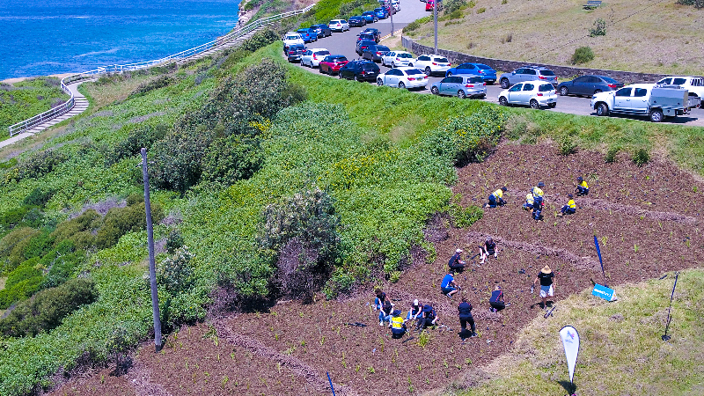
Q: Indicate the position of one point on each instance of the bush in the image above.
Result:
(696, 3)
(119, 221)
(232, 158)
(38, 197)
(465, 217)
(567, 145)
(174, 273)
(174, 241)
(12, 247)
(260, 40)
(599, 28)
(416, 24)
(87, 223)
(641, 157)
(62, 267)
(132, 145)
(37, 165)
(611, 154)
(148, 86)
(300, 235)
(481, 10)
(454, 5)
(21, 283)
(47, 309)
(582, 55)
(13, 218)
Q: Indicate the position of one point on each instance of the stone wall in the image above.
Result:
(508, 65)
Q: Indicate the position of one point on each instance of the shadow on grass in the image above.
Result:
(570, 387)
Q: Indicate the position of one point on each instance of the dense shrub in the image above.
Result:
(465, 217)
(174, 273)
(598, 29)
(582, 55)
(119, 221)
(62, 267)
(260, 39)
(232, 158)
(611, 154)
(454, 5)
(415, 25)
(174, 241)
(36, 165)
(151, 85)
(641, 157)
(38, 197)
(144, 136)
(696, 3)
(12, 248)
(177, 159)
(13, 218)
(21, 283)
(78, 230)
(567, 145)
(46, 310)
(300, 234)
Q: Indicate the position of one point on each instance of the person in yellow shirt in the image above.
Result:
(530, 201)
(497, 197)
(397, 325)
(537, 193)
(582, 187)
(570, 208)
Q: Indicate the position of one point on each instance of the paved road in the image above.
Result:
(344, 43)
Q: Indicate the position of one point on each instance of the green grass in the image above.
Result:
(26, 99)
(548, 32)
(621, 351)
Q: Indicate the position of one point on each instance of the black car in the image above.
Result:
(360, 70)
(373, 32)
(323, 30)
(357, 21)
(588, 85)
(375, 52)
(295, 52)
(361, 45)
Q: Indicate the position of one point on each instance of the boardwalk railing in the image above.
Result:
(177, 57)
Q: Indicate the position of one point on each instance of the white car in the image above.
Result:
(431, 64)
(339, 25)
(695, 85)
(403, 77)
(396, 59)
(396, 4)
(313, 56)
(535, 94)
(292, 38)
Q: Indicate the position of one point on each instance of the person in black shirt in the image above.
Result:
(497, 299)
(487, 250)
(428, 317)
(465, 311)
(385, 313)
(456, 264)
(547, 279)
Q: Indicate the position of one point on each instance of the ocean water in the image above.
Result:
(41, 37)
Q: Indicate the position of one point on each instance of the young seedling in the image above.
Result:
(371, 369)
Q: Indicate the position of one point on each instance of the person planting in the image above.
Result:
(538, 203)
(415, 312)
(497, 197)
(497, 299)
(465, 313)
(428, 318)
(397, 325)
(456, 264)
(570, 208)
(379, 300)
(547, 280)
(582, 187)
(385, 314)
(530, 202)
(448, 285)
(489, 249)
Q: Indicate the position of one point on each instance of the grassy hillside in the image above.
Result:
(621, 351)
(28, 98)
(381, 158)
(640, 36)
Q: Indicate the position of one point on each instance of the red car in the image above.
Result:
(429, 5)
(332, 64)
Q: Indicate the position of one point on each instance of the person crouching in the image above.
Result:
(570, 208)
(397, 325)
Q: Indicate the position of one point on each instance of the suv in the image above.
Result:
(654, 101)
(375, 52)
(397, 59)
(322, 30)
(431, 64)
(313, 56)
(295, 52)
(373, 32)
(359, 71)
(695, 85)
(292, 38)
(477, 69)
(381, 13)
(339, 25)
(363, 45)
(528, 73)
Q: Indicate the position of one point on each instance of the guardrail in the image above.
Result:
(180, 56)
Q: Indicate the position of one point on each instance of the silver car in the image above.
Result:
(460, 86)
(528, 73)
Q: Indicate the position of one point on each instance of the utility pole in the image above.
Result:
(435, 18)
(152, 265)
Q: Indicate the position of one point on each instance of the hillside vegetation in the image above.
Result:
(28, 98)
(656, 37)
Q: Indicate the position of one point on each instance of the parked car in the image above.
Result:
(396, 59)
(308, 35)
(339, 25)
(373, 32)
(695, 85)
(365, 36)
(429, 4)
(295, 52)
(322, 30)
(462, 86)
(332, 64)
(357, 21)
(431, 64)
(535, 94)
(588, 85)
(360, 70)
(396, 4)
(375, 52)
(403, 77)
(292, 38)
(381, 13)
(651, 100)
(313, 56)
(528, 73)
(362, 45)
(370, 16)
(477, 69)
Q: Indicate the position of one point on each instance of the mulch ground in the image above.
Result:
(647, 220)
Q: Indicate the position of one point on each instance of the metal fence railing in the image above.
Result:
(177, 57)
